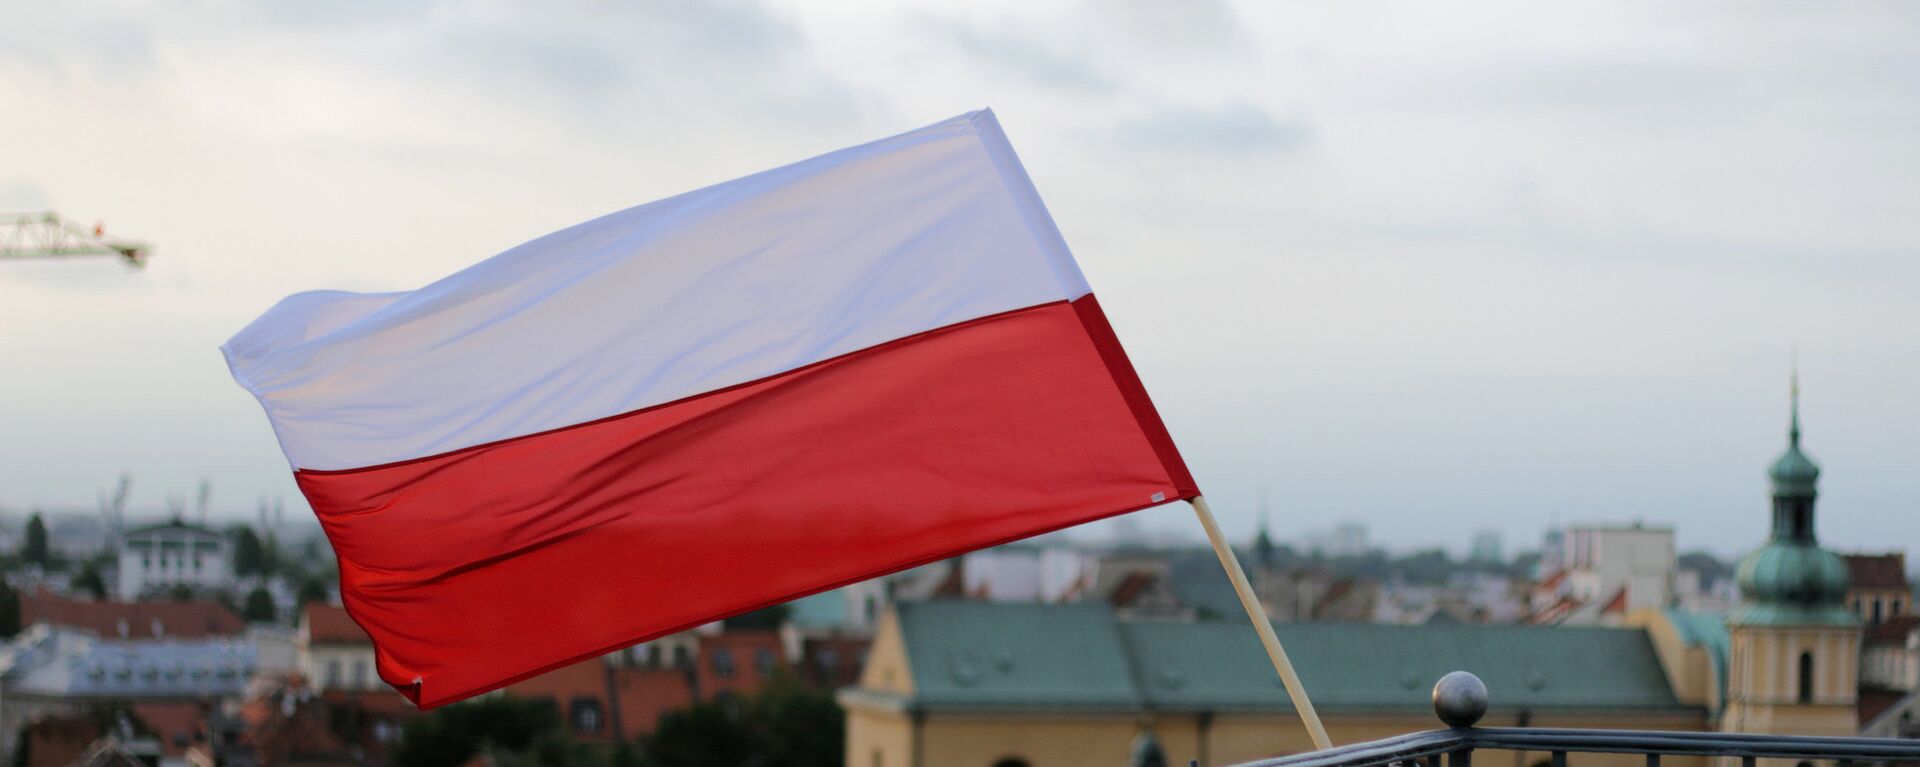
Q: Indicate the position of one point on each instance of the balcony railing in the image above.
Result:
(1460, 699)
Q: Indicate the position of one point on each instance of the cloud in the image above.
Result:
(1232, 129)
(1010, 52)
(1204, 27)
(22, 195)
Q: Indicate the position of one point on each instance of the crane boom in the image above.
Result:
(48, 234)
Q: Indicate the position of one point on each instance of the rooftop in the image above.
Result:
(69, 663)
(973, 655)
(330, 624)
(175, 525)
(1877, 572)
(139, 620)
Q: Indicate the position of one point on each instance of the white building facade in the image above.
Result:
(1601, 561)
(160, 557)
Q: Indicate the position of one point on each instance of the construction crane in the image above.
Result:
(48, 234)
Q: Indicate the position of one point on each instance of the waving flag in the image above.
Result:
(856, 364)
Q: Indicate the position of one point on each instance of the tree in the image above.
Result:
(269, 555)
(89, 581)
(311, 590)
(1710, 568)
(247, 556)
(9, 611)
(763, 619)
(786, 725)
(451, 736)
(259, 607)
(35, 550)
(798, 726)
(705, 733)
(180, 593)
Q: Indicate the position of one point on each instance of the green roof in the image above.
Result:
(986, 654)
(1709, 631)
(826, 609)
(1793, 583)
(980, 655)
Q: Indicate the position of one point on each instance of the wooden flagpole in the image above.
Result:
(1261, 625)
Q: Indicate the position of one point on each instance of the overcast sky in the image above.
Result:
(1432, 267)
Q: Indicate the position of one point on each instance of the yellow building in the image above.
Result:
(976, 684)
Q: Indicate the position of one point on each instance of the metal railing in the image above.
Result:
(1460, 699)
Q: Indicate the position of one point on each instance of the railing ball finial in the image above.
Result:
(1460, 699)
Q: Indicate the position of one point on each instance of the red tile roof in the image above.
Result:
(327, 624)
(186, 620)
(177, 724)
(1130, 588)
(1893, 630)
(58, 741)
(1873, 703)
(1618, 604)
(1878, 572)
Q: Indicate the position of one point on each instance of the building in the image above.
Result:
(737, 662)
(1795, 660)
(333, 652)
(1890, 655)
(131, 620)
(975, 684)
(1634, 562)
(1877, 587)
(51, 672)
(156, 558)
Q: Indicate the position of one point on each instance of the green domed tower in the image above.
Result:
(1791, 580)
(1796, 648)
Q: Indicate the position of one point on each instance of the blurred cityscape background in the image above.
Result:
(170, 639)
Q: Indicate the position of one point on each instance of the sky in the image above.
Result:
(1435, 268)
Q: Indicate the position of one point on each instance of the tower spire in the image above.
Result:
(1793, 386)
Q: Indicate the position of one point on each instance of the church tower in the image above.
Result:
(1796, 648)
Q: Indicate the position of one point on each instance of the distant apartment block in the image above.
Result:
(1634, 563)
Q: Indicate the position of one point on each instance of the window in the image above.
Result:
(359, 673)
(723, 662)
(1877, 604)
(763, 662)
(1806, 677)
(585, 714)
(333, 673)
(1011, 761)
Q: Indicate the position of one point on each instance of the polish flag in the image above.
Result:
(852, 365)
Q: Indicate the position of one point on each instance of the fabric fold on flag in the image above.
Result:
(857, 364)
